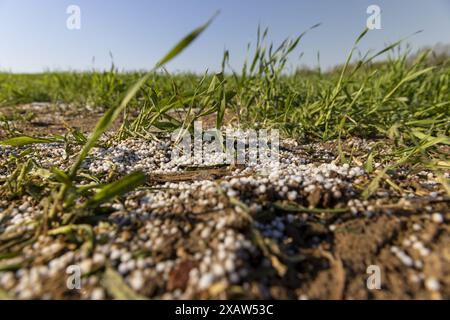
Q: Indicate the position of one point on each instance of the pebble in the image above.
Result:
(404, 258)
(115, 254)
(98, 259)
(234, 277)
(229, 265)
(126, 256)
(205, 233)
(205, 281)
(432, 284)
(86, 266)
(24, 206)
(437, 217)
(229, 241)
(137, 280)
(123, 268)
(98, 294)
(292, 196)
(217, 270)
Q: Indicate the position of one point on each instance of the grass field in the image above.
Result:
(385, 112)
(403, 98)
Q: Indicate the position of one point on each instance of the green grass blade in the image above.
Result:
(23, 141)
(117, 288)
(406, 79)
(186, 41)
(119, 187)
(61, 176)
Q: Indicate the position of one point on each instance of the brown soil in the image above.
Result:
(46, 119)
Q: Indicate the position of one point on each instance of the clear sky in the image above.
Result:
(34, 36)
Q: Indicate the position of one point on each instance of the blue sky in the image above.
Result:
(34, 36)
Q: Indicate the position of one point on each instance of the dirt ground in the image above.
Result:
(349, 244)
(39, 119)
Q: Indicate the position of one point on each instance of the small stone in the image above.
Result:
(229, 242)
(125, 257)
(217, 270)
(418, 264)
(140, 263)
(229, 265)
(262, 189)
(432, 284)
(437, 217)
(115, 254)
(424, 252)
(98, 294)
(24, 206)
(222, 254)
(415, 278)
(292, 195)
(160, 267)
(205, 233)
(405, 259)
(123, 268)
(205, 281)
(86, 266)
(7, 280)
(98, 259)
(234, 277)
(137, 281)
